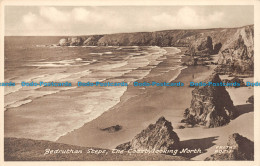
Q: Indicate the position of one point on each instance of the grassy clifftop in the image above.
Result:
(20, 149)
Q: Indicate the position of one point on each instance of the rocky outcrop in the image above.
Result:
(158, 136)
(205, 48)
(75, 41)
(210, 105)
(200, 52)
(201, 48)
(92, 40)
(239, 82)
(71, 41)
(250, 99)
(217, 48)
(238, 148)
(237, 57)
(63, 42)
(112, 129)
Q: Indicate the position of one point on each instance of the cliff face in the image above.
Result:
(241, 148)
(158, 136)
(235, 46)
(210, 105)
(237, 56)
(177, 38)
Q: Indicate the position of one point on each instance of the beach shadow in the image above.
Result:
(202, 144)
(242, 109)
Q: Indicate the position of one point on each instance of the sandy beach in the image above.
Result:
(137, 110)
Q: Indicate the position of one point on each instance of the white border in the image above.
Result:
(138, 3)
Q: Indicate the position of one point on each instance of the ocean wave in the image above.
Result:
(74, 105)
(180, 68)
(62, 63)
(17, 103)
(95, 53)
(108, 53)
(113, 65)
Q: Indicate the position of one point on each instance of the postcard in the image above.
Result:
(128, 82)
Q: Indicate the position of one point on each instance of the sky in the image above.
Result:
(88, 20)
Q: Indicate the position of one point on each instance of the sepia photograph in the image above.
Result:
(129, 83)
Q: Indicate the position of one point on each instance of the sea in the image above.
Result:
(46, 113)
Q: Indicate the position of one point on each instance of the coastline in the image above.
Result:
(154, 73)
(139, 107)
(136, 111)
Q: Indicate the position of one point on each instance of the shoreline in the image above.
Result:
(144, 105)
(80, 107)
(135, 113)
(137, 90)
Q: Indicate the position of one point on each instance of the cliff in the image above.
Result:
(210, 105)
(176, 38)
(237, 55)
(235, 46)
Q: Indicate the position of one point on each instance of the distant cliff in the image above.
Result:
(235, 46)
(177, 38)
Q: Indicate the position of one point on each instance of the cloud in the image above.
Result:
(29, 18)
(58, 22)
(80, 14)
(54, 15)
(216, 17)
(187, 17)
(100, 20)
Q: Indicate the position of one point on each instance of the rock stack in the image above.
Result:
(238, 148)
(158, 136)
(202, 48)
(210, 105)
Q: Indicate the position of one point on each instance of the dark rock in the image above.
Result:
(224, 70)
(242, 149)
(113, 128)
(235, 80)
(217, 47)
(206, 45)
(204, 48)
(250, 99)
(158, 136)
(124, 146)
(192, 62)
(181, 127)
(210, 105)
